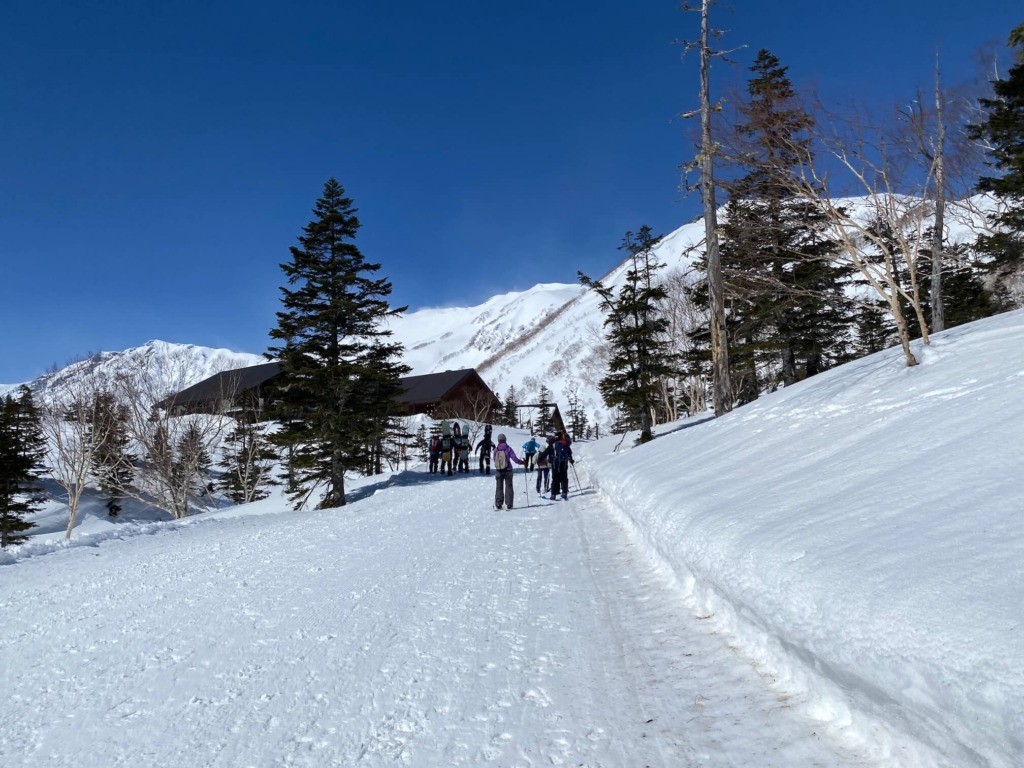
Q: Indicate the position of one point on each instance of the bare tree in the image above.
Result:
(684, 392)
(173, 445)
(881, 231)
(704, 164)
(479, 408)
(76, 429)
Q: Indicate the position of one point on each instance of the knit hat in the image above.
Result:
(501, 438)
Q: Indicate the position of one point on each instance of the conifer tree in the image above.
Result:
(1002, 132)
(247, 462)
(340, 377)
(543, 420)
(21, 458)
(111, 457)
(636, 333)
(510, 412)
(578, 426)
(789, 315)
(191, 465)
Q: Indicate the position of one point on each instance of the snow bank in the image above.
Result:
(862, 534)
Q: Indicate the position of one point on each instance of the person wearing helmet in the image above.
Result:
(503, 459)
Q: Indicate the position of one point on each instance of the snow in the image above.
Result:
(829, 576)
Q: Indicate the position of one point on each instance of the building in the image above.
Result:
(447, 394)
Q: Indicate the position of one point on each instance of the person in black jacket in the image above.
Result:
(561, 458)
(484, 448)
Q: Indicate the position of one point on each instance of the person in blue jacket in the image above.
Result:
(530, 450)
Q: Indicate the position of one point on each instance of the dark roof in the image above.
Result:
(227, 384)
(432, 387)
(426, 389)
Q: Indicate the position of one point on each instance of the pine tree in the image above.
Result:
(636, 333)
(510, 411)
(21, 462)
(789, 317)
(112, 459)
(191, 465)
(421, 442)
(542, 423)
(1003, 133)
(340, 378)
(578, 426)
(247, 463)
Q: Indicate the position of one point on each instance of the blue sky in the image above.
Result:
(157, 159)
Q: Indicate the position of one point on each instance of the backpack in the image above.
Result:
(500, 459)
(561, 452)
(435, 443)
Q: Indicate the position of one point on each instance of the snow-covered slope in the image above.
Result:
(551, 334)
(861, 535)
(830, 576)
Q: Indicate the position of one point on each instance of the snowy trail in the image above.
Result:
(417, 627)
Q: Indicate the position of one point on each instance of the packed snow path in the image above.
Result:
(417, 627)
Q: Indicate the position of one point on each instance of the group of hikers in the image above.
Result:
(551, 462)
(451, 448)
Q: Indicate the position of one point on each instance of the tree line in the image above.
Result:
(833, 243)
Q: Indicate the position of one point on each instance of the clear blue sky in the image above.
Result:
(157, 159)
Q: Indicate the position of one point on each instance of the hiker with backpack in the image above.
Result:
(434, 453)
(504, 457)
(544, 468)
(561, 458)
(463, 449)
(456, 444)
(445, 449)
(530, 449)
(484, 448)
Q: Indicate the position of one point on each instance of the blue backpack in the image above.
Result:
(561, 452)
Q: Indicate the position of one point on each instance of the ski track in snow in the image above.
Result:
(434, 632)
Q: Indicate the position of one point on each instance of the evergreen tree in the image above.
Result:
(964, 296)
(21, 462)
(247, 462)
(578, 426)
(874, 328)
(1002, 131)
(510, 412)
(112, 460)
(340, 377)
(543, 421)
(636, 333)
(191, 464)
(421, 442)
(789, 317)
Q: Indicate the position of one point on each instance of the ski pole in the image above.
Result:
(526, 487)
(578, 485)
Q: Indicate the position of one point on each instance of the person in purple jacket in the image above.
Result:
(503, 459)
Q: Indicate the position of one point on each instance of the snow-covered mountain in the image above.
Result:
(552, 333)
(174, 366)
